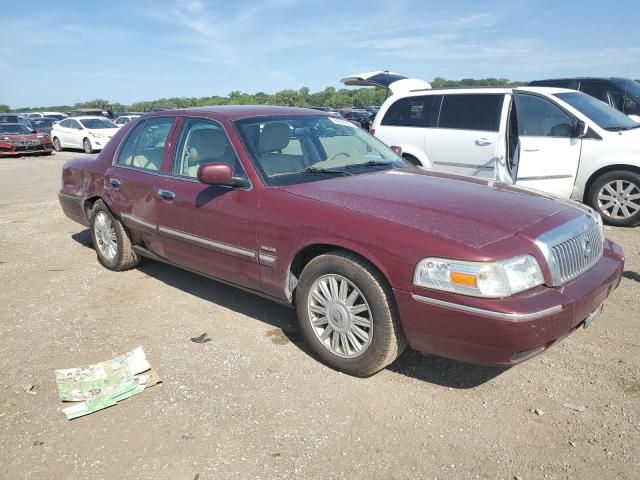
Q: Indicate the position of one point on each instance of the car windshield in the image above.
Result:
(629, 87)
(602, 114)
(13, 128)
(298, 149)
(42, 122)
(97, 123)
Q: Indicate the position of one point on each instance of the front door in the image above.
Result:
(467, 140)
(548, 149)
(131, 184)
(210, 229)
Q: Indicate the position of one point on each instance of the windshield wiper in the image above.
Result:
(370, 163)
(330, 171)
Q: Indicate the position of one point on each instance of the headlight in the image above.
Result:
(43, 136)
(7, 139)
(479, 279)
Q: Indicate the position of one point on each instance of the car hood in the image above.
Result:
(21, 137)
(470, 211)
(109, 132)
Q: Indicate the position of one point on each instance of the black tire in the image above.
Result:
(411, 159)
(125, 257)
(387, 341)
(57, 146)
(628, 178)
(86, 145)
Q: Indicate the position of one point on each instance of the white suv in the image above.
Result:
(555, 140)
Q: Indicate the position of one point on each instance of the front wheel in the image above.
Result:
(56, 144)
(347, 314)
(616, 197)
(86, 144)
(111, 240)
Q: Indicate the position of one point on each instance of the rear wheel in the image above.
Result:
(347, 314)
(111, 240)
(56, 144)
(616, 196)
(86, 144)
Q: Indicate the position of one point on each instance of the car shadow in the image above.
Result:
(427, 368)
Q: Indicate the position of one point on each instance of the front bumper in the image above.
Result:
(508, 331)
(19, 150)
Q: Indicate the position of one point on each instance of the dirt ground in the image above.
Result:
(253, 403)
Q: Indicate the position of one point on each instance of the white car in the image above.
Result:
(558, 141)
(124, 119)
(88, 133)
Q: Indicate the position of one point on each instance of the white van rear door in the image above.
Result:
(394, 82)
(549, 150)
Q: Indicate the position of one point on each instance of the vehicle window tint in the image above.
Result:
(471, 112)
(419, 111)
(150, 145)
(74, 124)
(127, 152)
(538, 117)
(596, 90)
(203, 142)
(64, 123)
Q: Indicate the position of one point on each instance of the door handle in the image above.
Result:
(166, 194)
(483, 142)
(115, 183)
(531, 149)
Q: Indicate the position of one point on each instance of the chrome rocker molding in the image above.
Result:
(489, 313)
(203, 242)
(137, 221)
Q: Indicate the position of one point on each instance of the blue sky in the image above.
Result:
(62, 52)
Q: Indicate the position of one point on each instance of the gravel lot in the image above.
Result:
(253, 403)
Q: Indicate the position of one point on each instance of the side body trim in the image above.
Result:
(206, 243)
(138, 221)
(488, 313)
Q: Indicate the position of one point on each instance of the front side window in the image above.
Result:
(471, 111)
(538, 117)
(203, 142)
(421, 111)
(296, 149)
(144, 146)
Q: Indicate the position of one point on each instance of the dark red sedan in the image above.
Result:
(17, 139)
(311, 211)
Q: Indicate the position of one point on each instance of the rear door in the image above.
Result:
(468, 140)
(208, 228)
(549, 151)
(132, 183)
(74, 134)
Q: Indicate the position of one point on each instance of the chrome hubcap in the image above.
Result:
(340, 316)
(619, 199)
(105, 234)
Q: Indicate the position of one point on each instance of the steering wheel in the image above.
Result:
(338, 154)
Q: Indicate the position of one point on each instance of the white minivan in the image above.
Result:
(559, 141)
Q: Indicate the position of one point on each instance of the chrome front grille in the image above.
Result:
(572, 248)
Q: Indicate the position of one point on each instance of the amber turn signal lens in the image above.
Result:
(464, 279)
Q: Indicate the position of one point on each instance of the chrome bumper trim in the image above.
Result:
(488, 313)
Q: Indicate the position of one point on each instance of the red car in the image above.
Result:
(311, 211)
(17, 139)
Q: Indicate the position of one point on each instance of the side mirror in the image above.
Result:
(219, 174)
(581, 129)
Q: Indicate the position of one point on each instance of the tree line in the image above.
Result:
(329, 97)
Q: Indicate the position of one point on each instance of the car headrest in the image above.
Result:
(206, 145)
(274, 136)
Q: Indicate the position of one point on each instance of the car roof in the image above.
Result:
(86, 117)
(236, 112)
(580, 78)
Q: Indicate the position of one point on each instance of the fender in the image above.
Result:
(417, 153)
(590, 169)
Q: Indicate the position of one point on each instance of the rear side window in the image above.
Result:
(419, 111)
(144, 146)
(597, 90)
(471, 112)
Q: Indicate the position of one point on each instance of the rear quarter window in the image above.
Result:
(421, 111)
(471, 111)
